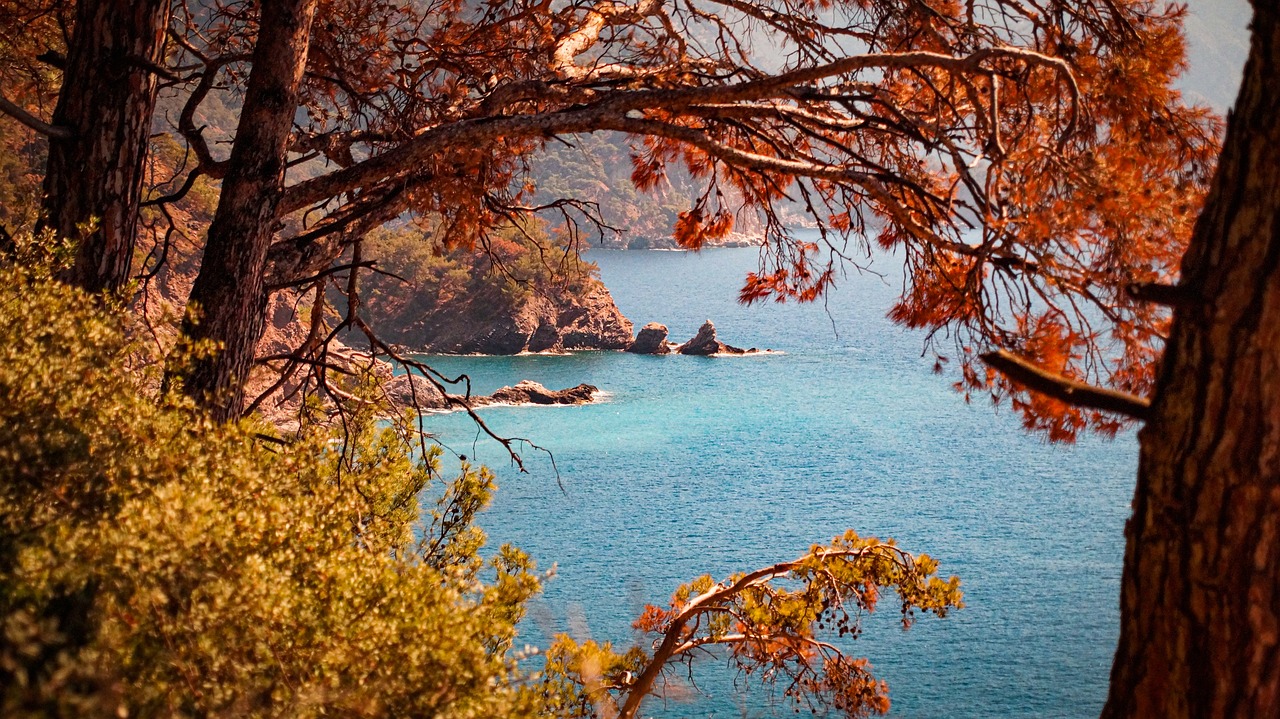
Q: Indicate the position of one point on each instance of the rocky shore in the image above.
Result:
(542, 322)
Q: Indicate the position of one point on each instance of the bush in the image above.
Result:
(155, 564)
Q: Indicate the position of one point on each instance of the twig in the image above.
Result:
(1159, 293)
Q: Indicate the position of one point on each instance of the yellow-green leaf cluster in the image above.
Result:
(155, 564)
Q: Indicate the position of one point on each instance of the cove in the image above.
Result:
(715, 465)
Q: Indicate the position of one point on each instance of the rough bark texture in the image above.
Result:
(229, 296)
(1200, 600)
(106, 102)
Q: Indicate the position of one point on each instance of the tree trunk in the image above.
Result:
(229, 296)
(93, 181)
(1200, 599)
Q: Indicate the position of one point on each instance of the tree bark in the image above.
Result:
(93, 180)
(228, 301)
(1200, 596)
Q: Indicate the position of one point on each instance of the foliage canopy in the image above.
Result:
(154, 562)
(1030, 163)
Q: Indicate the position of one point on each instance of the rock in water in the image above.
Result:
(527, 392)
(411, 390)
(705, 343)
(652, 340)
(401, 390)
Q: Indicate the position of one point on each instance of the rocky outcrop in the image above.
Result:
(411, 390)
(705, 343)
(527, 392)
(651, 340)
(487, 323)
(545, 338)
(417, 392)
(593, 322)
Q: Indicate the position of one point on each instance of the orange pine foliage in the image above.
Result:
(1028, 163)
(784, 625)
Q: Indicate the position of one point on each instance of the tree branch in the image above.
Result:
(55, 131)
(611, 113)
(1159, 293)
(675, 640)
(1066, 390)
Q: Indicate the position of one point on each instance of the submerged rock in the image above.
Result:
(705, 343)
(651, 340)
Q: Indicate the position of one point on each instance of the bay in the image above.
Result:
(716, 465)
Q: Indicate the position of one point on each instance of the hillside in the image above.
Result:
(520, 294)
(597, 168)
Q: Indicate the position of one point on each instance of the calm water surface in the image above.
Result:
(717, 465)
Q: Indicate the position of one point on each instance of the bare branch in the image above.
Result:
(1159, 293)
(54, 131)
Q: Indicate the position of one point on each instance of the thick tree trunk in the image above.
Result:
(229, 296)
(93, 181)
(1200, 600)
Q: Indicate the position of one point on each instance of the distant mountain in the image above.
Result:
(1218, 42)
(597, 168)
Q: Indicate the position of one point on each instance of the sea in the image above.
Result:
(697, 465)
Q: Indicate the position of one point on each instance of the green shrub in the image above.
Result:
(155, 564)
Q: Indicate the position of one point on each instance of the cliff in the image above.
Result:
(484, 322)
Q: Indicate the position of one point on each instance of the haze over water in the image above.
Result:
(716, 465)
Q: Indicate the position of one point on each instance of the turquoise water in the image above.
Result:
(717, 465)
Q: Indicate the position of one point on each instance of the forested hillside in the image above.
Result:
(520, 292)
(598, 168)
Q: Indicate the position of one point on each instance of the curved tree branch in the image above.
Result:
(1066, 390)
(57, 132)
(612, 112)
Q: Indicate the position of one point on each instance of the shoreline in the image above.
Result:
(571, 353)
